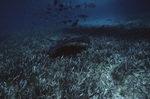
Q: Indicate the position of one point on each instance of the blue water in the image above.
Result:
(39, 15)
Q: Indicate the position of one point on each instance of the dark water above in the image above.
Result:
(38, 15)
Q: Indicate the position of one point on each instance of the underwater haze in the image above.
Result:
(75, 49)
(22, 15)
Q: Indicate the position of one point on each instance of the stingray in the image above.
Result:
(64, 45)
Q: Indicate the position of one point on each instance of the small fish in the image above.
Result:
(61, 5)
(91, 5)
(75, 23)
(81, 4)
(83, 16)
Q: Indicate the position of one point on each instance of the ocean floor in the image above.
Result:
(115, 65)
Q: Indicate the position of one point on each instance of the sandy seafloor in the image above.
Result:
(115, 65)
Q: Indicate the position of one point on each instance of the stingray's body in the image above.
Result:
(68, 40)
